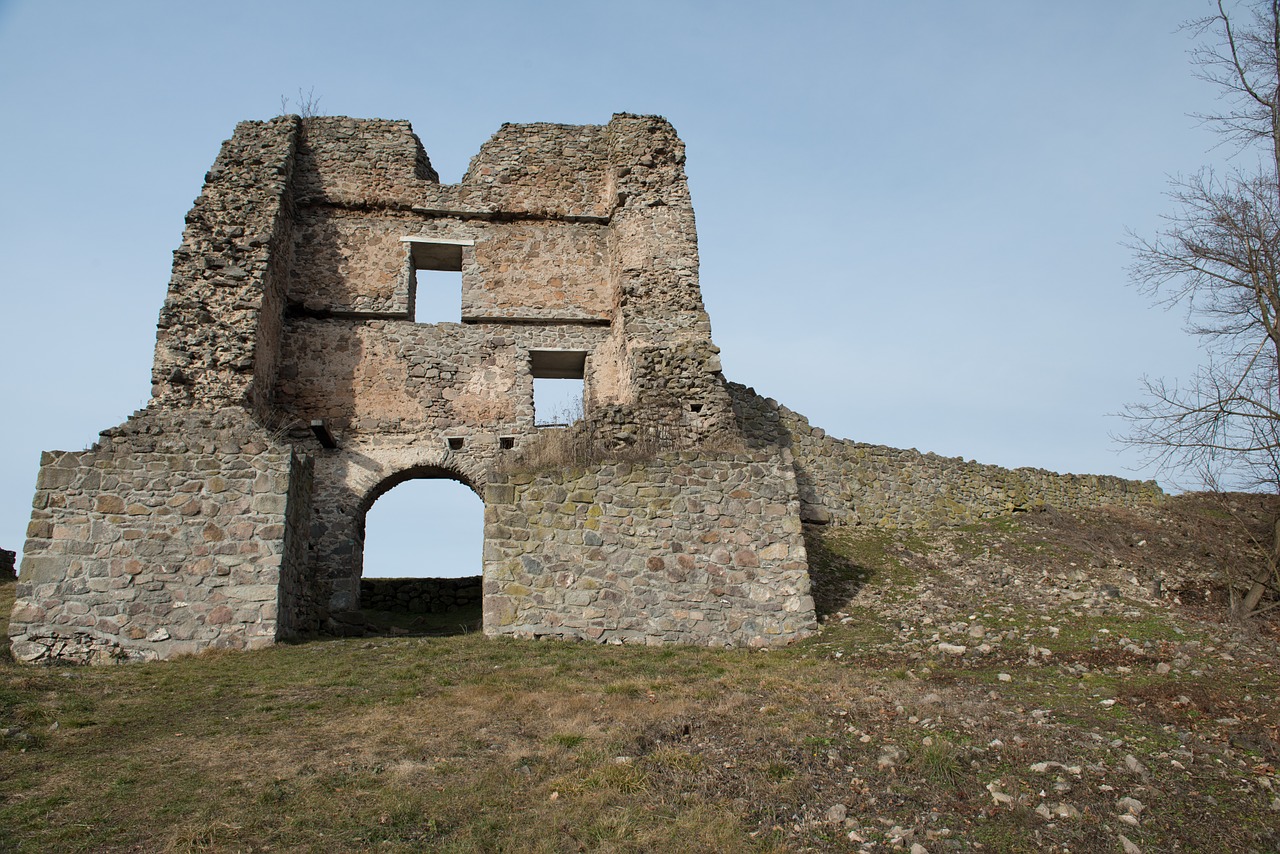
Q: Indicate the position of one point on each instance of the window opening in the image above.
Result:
(455, 443)
(437, 296)
(558, 386)
(435, 278)
(506, 443)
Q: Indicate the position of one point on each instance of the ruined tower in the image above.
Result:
(292, 386)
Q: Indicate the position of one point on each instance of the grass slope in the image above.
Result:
(1015, 686)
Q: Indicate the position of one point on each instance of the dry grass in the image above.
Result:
(468, 744)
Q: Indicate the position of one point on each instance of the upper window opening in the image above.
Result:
(558, 364)
(435, 286)
(558, 386)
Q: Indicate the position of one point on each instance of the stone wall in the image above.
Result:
(387, 376)
(360, 162)
(548, 270)
(688, 548)
(857, 483)
(420, 595)
(350, 262)
(544, 170)
(217, 337)
(168, 536)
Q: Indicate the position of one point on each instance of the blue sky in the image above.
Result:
(911, 215)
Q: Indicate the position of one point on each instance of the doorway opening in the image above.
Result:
(422, 570)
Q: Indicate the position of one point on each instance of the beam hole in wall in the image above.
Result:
(422, 559)
(435, 284)
(558, 386)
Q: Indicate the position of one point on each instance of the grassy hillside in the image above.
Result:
(1017, 686)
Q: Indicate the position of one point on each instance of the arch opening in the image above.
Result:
(421, 540)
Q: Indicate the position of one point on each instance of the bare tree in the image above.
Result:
(1218, 258)
(308, 103)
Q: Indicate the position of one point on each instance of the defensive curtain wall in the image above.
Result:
(292, 387)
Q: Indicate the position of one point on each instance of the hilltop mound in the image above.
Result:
(1019, 685)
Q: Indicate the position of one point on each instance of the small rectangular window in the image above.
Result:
(558, 386)
(506, 443)
(455, 443)
(435, 286)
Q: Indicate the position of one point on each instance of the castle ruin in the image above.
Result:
(292, 387)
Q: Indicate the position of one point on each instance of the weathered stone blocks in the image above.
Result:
(132, 574)
(654, 570)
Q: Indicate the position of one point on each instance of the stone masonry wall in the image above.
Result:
(217, 336)
(360, 162)
(300, 604)
(538, 271)
(541, 169)
(392, 376)
(688, 548)
(856, 483)
(167, 537)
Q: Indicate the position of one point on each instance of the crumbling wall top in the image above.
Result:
(360, 161)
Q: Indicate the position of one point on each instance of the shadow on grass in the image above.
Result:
(836, 576)
(460, 621)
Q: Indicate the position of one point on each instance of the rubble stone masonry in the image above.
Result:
(168, 537)
(690, 547)
(854, 483)
(293, 385)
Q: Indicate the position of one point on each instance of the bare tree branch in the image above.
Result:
(1218, 259)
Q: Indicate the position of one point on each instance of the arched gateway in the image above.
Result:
(351, 524)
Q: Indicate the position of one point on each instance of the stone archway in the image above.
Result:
(427, 472)
(347, 483)
(421, 545)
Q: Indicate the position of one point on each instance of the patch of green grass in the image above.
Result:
(449, 743)
(843, 560)
(938, 762)
(777, 772)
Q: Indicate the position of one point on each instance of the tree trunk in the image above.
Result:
(1262, 578)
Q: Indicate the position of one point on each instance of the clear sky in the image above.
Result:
(911, 214)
